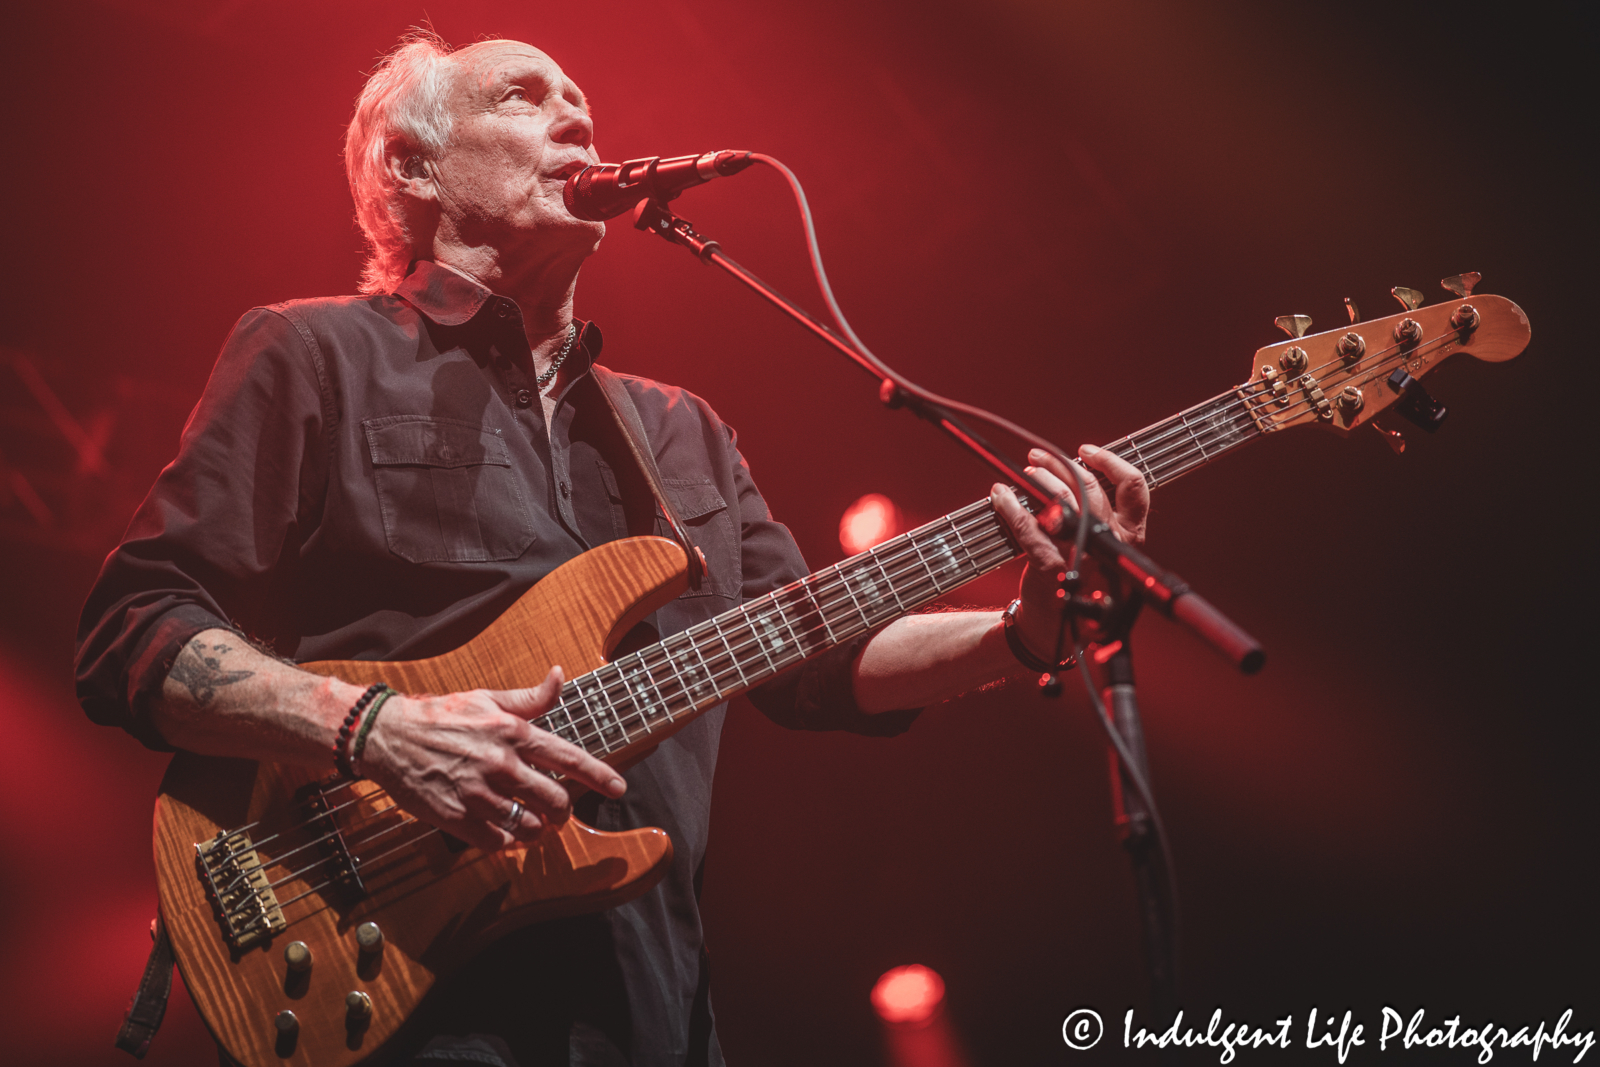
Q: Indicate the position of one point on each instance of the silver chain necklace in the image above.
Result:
(561, 357)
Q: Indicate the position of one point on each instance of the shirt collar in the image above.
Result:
(452, 299)
(446, 297)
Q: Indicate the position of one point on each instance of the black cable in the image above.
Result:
(1081, 542)
(1137, 776)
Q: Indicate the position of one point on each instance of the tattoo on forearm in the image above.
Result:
(199, 669)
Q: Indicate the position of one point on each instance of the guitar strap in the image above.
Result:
(149, 1004)
(627, 417)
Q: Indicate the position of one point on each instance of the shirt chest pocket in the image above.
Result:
(447, 491)
(705, 514)
(710, 527)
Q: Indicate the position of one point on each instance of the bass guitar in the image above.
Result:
(310, 915)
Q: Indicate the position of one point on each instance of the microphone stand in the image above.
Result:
(1140, 579)
(1131, 813)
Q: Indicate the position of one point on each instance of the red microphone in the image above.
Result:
(605, 190)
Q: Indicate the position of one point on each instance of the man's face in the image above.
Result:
(521, 128)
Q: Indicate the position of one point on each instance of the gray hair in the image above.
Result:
(405, 102)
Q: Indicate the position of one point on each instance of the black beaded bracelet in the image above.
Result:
(341, 744)
(1020, 650)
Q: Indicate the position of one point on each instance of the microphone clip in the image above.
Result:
(655, 217)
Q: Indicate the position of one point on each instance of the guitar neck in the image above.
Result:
(623, 704)
(1187, 441)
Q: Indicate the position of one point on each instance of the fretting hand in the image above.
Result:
(1039, 619)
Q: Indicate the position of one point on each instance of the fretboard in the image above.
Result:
(624, 703)
(654, 689)
(1171, 448)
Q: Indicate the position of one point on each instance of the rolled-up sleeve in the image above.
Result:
(819, 694)
(204, 549)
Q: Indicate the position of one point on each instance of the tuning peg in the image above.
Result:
(1392, 438)
(1409, 299)
(1293, 325)
(1350, 307)
(1461, 284)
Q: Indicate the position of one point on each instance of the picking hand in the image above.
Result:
(467, 762)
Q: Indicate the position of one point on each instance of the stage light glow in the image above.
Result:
(908, 996)
(871, 520)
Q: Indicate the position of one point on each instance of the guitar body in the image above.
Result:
(436, 903)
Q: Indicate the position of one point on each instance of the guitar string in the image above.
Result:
(1132, 440)
(905, 551)
(363, 866)
(1177, 430)
(644, 671)
(1152, 461)
(1178, 426)
(407, 844)
(604, 685)
(911, 547)
(828, 586)
(1268, 404)
(976, 516)
(350, 846)
(256, 846)
(1227, 404)
(1146, 455)
(839, 579)
(406, 819)
(740, 625)
(1381, 359)
(715, 676)
(823, 591)
(1457, 334)
(1256, 403)
(1159, 464)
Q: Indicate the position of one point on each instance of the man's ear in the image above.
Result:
(411, 172)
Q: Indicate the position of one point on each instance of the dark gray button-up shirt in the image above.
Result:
(372, 477)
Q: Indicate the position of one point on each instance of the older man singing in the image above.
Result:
(320, 504)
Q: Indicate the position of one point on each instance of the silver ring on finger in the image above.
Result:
(514, 820)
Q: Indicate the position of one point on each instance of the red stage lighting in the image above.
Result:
(869, 521)
(908, 996)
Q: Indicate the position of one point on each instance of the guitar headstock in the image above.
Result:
(1343, 378)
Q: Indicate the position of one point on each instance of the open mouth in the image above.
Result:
(569, 170)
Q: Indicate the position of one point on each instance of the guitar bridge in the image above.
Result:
(236, 881)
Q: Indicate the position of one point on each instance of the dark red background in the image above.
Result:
(1084, 216)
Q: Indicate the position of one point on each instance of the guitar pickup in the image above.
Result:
(344, 868)
(1415, 403)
